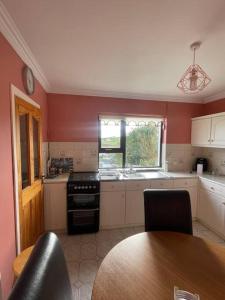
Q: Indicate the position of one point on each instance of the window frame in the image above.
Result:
(122, 148)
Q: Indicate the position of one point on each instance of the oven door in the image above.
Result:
(82, 221)
(83, 201)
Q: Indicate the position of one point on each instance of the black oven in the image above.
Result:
(83, 202)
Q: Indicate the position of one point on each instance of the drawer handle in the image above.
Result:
(223, 203)
(212, 188)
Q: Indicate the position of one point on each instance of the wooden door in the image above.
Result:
(29, 158)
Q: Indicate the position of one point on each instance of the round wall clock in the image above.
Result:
(28, 80)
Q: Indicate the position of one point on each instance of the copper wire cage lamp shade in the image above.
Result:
(195, 78)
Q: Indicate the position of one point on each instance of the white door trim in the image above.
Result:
(16, 92)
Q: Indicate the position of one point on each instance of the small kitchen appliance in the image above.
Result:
(203, 161)
(83, 202)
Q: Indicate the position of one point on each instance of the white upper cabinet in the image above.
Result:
(200, 132)
(218, 131)
(208, 131)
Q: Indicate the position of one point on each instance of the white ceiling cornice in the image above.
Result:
(215, 97)
(125, 95)
(11, 33)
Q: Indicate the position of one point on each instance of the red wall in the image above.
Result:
(214, 107)
(10, 72)
(74, 118)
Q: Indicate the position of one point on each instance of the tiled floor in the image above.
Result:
(84, 253)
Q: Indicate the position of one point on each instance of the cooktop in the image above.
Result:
(84, 176)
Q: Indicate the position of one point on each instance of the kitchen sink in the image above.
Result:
(134, 175)
(109, 177)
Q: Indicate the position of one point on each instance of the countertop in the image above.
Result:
(148, 176)
(214, 178)
(60, 178)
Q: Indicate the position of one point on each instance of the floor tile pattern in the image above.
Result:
(84, 253)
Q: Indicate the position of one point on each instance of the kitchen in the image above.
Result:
(122, 72)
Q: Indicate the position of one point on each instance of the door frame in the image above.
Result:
(15, 92)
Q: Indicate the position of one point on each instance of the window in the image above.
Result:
(129, 142)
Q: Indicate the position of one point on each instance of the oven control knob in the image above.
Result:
(94, 186)
(75, 187)
(89, 186)
(86, 187)
(78, 187)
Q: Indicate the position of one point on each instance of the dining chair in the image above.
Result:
(168, 210)
(45, 275)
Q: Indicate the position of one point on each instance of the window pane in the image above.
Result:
(24, 150)
(143, 140)
(36, 148)
(110, 160)
(110, 133)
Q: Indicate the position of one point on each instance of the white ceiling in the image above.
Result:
(130, 48)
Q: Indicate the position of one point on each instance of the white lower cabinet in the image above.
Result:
(211, 210)
(55, 206)
(134, 207)
(122, 203)
(112, 209)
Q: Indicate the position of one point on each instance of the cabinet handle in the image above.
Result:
(212, 141)
(212, 188)
(208, 140)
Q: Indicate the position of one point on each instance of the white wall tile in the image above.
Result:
(84, 154)
(181, 157)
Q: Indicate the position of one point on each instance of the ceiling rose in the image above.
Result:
(195, 78)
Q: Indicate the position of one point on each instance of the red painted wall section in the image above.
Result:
(179, 121)
(214, 107)
(10, 72)
(74, 118)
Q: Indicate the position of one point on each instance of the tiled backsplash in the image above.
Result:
(45, 156)
(216, 159)
(181, 157)
(85, 155)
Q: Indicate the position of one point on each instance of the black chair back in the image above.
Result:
(168, 210)
(45, 276)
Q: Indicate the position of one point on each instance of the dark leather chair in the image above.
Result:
(168, 210)
(45, 276)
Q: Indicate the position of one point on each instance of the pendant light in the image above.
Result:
(195, 78)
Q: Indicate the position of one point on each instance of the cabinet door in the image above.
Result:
(218, 131)
(162, 184)
(55, 206)
(135, 207)
(200, 132)
(211, 210)
(112, 209)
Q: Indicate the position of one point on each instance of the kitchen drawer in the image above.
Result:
(185, 182)
(112, 186)
(212, 186)
(137, 185)
(162, 184)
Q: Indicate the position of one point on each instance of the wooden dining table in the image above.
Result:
(149, 265)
